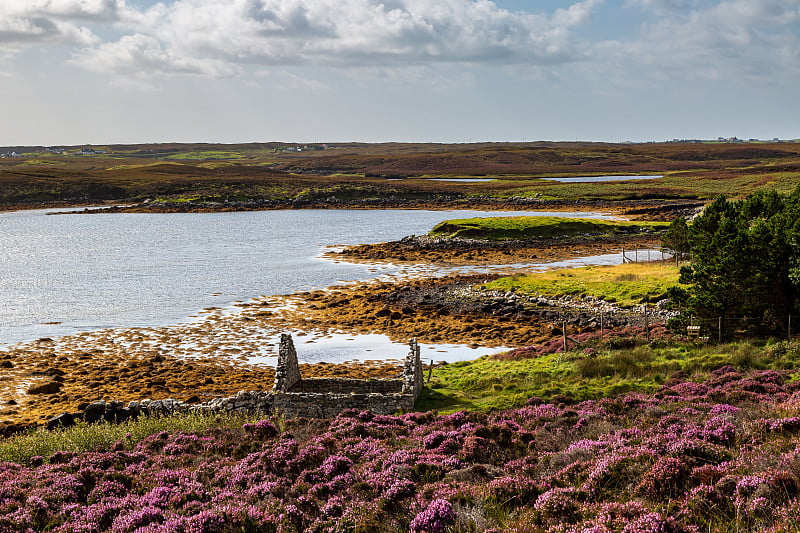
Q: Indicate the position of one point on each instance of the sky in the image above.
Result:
(133, 71)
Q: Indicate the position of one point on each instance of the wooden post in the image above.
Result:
(430, 371)
(623, 256)
(564, 333)
(602, 325)
(646, 325)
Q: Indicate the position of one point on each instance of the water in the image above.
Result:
(593, 179)
(61, 274)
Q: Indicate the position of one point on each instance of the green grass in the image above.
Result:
(487, 383)
(628, 284)
(90, 437)
(500, 228)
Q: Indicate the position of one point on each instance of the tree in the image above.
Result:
(745, 258)
(676, 239)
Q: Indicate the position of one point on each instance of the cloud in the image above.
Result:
(731, 40)
(88, 10)
(137, 59)
(23, 26)
(199, 36)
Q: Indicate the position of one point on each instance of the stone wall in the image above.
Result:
(348, 386)
(287, 371)
(324, 398)
(291, 395)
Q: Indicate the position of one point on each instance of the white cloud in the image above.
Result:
(730, 39)
(201, 36)
(137, 59)
(91, 10)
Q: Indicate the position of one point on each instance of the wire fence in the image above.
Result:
(648, 322)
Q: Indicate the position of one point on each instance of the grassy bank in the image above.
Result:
(503, 228)
(627, 284)
(489, 383)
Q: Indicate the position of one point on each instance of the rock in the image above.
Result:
(63, 420)
(6, 364)
(8, 429)
(94, 411)
(52, 371)
(49, 387)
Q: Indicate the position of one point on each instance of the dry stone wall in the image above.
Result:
(291, 395)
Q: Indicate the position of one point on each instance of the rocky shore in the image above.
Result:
(632, 209)
(213, 357)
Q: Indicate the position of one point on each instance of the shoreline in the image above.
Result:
(208, 358)
(632, 209)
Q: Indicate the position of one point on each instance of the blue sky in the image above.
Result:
(125, 71)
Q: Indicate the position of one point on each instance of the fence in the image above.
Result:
(721, 329)
(637, 256)
(578, 320)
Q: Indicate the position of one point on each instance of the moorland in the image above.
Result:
(600, 414)
(185, 177)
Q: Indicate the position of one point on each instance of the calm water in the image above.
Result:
(60, 274)
(593, 179)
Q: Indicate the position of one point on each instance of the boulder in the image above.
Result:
(94, 411)
(63, 420)
(48, 387)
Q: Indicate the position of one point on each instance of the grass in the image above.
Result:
(488, 383)
(627, 284)
(502, 228)
(91, 437)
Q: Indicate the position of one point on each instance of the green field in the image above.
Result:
(628, 284)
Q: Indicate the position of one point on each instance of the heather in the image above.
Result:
(715, 454)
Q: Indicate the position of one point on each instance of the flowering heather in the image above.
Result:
(718, 455)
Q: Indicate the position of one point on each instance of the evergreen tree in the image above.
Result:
(745, 258)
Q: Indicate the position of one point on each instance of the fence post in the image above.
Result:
(646, 325)
(623, 256)
(564, 333)
(602, 325)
